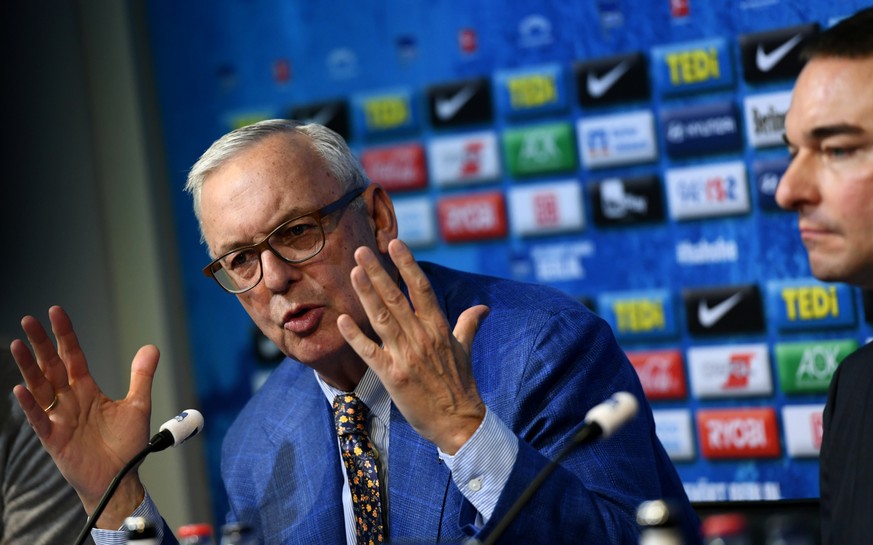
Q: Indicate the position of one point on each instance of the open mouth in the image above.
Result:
(303, 321)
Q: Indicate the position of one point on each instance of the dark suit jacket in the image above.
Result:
(541, 361)
(847, 453)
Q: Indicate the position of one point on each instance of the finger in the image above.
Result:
(75, 363)
(420, 291)
(360, 343)
(385, 305)
(37, 418)
(468, 325)
(142, 374)
(34, 375)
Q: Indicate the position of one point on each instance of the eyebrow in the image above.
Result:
(820, 133)
(827, 131)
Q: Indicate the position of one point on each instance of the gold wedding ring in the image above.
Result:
(51, 405)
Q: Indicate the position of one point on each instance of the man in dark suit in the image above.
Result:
(829, 131)
(469, 384)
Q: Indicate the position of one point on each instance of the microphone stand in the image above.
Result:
(587, 433)
(159, 442)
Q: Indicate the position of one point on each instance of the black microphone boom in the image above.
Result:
(172, 433)
(601, 421)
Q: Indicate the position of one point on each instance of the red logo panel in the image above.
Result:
(738, 433)
(661, 373)
(817, 425)
(397, 168)
(472, 217)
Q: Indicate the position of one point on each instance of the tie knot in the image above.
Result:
(350, 415)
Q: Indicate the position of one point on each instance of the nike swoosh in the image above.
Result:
(766, 61)
(598, 86)
(446, 108)
(323, 116)
(709, 316)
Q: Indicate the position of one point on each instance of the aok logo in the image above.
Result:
(807, 367)
(738, 433)
(472, 217)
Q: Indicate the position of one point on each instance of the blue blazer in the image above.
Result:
(541, 361)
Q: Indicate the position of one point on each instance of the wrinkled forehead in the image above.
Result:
(271, 181)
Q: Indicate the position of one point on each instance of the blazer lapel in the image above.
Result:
(417, 481)
(306, 482)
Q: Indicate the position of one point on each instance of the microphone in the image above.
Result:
(600, 421)
(176, 431)
(172, 433)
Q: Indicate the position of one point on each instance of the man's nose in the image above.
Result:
(278, 274)
(795, 187)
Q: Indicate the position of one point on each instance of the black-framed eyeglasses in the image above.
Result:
(295, 241)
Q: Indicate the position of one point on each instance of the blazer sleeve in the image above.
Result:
(573, 364)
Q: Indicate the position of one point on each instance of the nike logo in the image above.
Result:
(766, 61)
(323, 116)
(598, 86)
(447, 107)
(708, 316)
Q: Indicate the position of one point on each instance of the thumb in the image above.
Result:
(142, 373)
(468, 325)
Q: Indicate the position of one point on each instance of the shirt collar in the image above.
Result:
(369, 390)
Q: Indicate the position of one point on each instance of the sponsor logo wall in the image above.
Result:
(628, 156)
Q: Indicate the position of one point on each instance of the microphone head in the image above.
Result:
(613, 413)
(184, 426)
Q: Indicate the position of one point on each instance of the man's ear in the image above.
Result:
(382, 216)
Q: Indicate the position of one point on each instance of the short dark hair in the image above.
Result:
(850, 38)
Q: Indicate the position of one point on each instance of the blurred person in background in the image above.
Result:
(37, 506)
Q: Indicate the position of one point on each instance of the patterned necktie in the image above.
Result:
(359, 457)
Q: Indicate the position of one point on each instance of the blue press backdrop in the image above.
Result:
(221, 63)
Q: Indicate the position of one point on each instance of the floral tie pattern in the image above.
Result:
(359, 457)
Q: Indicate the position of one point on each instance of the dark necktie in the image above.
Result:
(359, 457)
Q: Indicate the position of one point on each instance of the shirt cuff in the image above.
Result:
(481, 467)
(146, 509)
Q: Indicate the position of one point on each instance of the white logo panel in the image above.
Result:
(457, 160)
(546, 208)
(803, 429)
(740, 370)
(617, 139)
(415, 221)
(704, 191)
(673, 428)
(765, 118)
